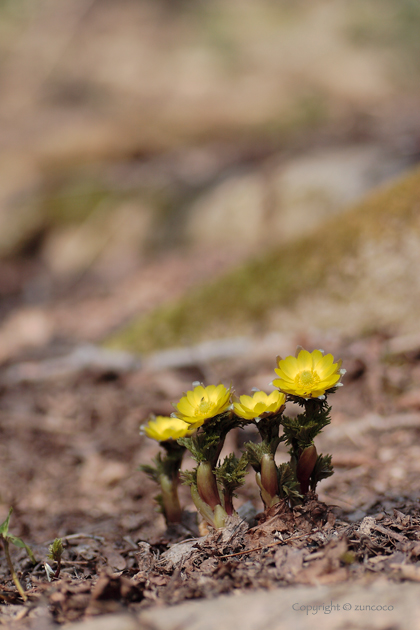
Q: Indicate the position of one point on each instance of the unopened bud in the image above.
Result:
(269, 475)
(305, 466)
(207, 486)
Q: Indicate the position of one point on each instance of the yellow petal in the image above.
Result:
(289, 366)
(325, 365)
(215, 394)
(198, 394)
(330, 372)
(282, 384)
(191, 398)
(185, 407)
(317, 358)
(330, 382)
(304, 360)
(247, 401)
(260, 408)
(260, 397)
(284, 376)
(319, 392)
(242, 412)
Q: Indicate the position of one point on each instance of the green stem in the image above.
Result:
(12, 570)
(58, 569)
(220, 516)
(170, 500)
(204, 509)
(312, 406)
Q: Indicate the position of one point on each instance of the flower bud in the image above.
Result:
(207, 486)
(305, 466)
(267, 499)
(269, 475)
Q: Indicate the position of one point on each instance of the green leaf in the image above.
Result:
(288, 484)
(4, 527)
(18, 542)
(231, 474)
(255, 452)
(301, 431)
(55, 550)
(322, 470)
(189, 477)
(152, 472)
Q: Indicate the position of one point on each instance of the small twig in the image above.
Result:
(12, 570)
(181, 542)
(390, 533)
(280, 542)
(81, 535)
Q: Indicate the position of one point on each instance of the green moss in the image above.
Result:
(73, 204)
(247, 295)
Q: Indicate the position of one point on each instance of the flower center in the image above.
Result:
(307, 379)
(204, 407)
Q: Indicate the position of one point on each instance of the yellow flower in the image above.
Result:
(309, 375)
(259, 405)
(203, 403)
(162, 428)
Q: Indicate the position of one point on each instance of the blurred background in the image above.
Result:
(149, 147)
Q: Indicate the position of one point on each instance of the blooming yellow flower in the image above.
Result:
(203, 403)
(308, 375)
(162, 428)
(259, 405)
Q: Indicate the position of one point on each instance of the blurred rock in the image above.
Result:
(314, 187)
(231, 212)
(408, 345)
(109, 237)
(288, 200)
(24, 328)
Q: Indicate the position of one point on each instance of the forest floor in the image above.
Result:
(70, 452)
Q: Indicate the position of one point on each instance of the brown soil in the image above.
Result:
(70, 451)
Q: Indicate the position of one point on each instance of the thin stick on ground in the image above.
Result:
(279, 542)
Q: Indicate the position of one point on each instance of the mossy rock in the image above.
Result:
(357, 272)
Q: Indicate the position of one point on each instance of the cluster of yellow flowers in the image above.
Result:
(205, 415)
(309, 375)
